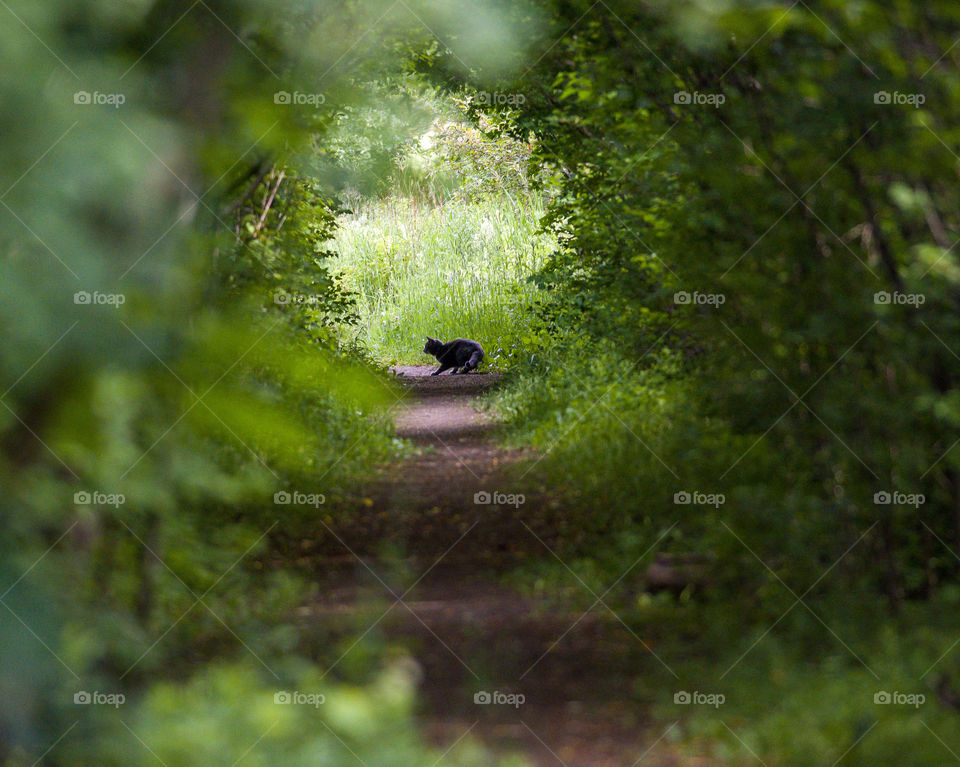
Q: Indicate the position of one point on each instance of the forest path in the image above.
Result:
(422, 538)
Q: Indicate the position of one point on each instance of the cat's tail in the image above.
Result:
(473, 361)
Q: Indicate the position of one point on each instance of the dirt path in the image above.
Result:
(423, 537)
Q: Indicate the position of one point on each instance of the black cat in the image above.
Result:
(461, 353)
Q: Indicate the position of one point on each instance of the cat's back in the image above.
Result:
(466, 344)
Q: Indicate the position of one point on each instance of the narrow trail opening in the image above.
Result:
(426, 538)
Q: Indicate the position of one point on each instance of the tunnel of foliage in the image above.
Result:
(742, 346)
(749, 341)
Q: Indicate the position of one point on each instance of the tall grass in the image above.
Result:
(459, 269)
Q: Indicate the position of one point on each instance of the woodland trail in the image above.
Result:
(423, 539)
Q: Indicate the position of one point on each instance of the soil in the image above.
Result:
(424, 535)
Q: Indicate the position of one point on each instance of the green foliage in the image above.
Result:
(241, 713)
(661, 199)
(451, 251)
(178, 334)
(455, 160)
(158, 194)
(788, 170)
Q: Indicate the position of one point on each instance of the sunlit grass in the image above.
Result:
(456, 270)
